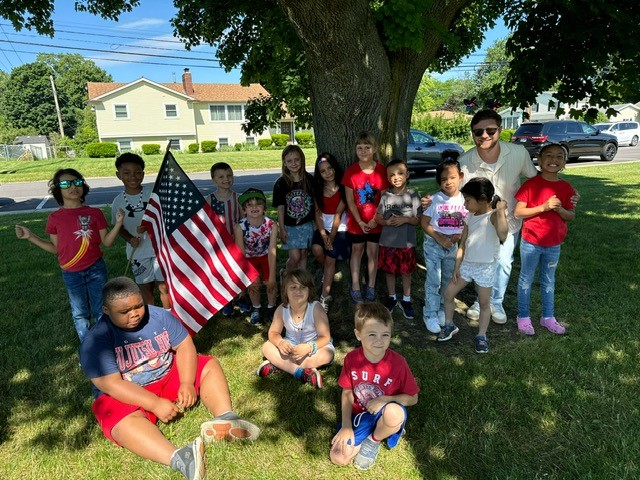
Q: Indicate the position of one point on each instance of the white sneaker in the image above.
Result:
(498, 314)
(433, 325)
(441, 318)
(473, 313)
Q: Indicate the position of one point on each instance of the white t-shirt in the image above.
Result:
(133, 207)
(447, 213)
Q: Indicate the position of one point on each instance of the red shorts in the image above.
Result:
(261, 264)
(109, 411)
(398, 261)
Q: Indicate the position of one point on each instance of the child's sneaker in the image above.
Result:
(324, 301)
(254, 319)
(228, 309)
(270, 313)
(390, 303)
(190, 460)
(367, 455)
(551, 324)
(482, 344)
(498, 315)
(524, 326)
(266, 368)
(407, 310)
(228, 426)
(473, 312)
(245, 304)
(356, 296)
(433, 325)
(448, 331)
(312, 376)
(370, 294)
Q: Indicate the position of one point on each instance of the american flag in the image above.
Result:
(202, 266)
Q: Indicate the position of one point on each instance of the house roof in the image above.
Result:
(31, 140)
(203, 92)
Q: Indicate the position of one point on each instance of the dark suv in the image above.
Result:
(578, 138)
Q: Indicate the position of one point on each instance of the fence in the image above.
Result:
(34, 152)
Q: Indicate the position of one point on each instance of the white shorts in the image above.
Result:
(484, 274)
(146, 270)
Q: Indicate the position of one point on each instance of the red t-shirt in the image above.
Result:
(367, 189)
(390, 376)
(78, 231)
(547, 229)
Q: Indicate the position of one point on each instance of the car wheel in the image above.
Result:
(634, 141)
(573, 159)
(608, 152)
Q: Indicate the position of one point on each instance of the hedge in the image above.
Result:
(304, 139)
(193, 148)
(264, 142)
(150, 148)
(101, 149)
(208, 146)
(280, 139)
(506, 135)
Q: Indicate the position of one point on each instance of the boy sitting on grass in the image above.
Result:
(377, 387)
(144, 367)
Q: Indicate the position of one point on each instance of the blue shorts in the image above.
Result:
(341, 247)
(298, 236)
(364, 424)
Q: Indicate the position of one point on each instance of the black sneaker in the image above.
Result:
(482, 344)
(448, 331)
(245, 304)
(390, 303)
(407, 309)
(254, 319)
(269, 313)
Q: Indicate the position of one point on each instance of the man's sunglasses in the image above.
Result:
(77, 182)
(479, 131)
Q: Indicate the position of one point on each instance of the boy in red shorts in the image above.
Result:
(144, 367)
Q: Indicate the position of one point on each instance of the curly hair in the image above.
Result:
(54, 184)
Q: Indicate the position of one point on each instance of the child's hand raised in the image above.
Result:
(22, 232)
(501, 206)
(120, 216)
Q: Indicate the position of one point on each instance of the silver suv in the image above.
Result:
(626, 132)
(425, 152)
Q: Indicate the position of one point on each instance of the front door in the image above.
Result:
(287, 129)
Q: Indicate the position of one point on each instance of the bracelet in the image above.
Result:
(314, 348)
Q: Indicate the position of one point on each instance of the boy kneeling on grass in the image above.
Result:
(377, 387)
(144, 367)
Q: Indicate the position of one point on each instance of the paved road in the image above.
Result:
(30, 196)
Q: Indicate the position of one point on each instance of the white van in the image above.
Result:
(628, 133)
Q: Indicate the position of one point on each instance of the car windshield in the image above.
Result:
(420, 137)
(603, 126)
(529, 129)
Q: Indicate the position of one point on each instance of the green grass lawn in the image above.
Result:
(542, 407)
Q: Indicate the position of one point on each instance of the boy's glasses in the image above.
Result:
(479, 131)
(77, 182)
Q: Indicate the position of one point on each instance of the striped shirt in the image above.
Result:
(514, 162)
(228, 211)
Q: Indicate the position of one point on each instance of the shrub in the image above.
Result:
(101, 150)
(208, 146)
(280, 139)
(150, 148)
(305, 139)
(237, 147)
(437, 126)
(264, 142)
(506, 135)
(193, 147)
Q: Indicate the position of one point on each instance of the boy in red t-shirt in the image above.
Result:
(377, 387)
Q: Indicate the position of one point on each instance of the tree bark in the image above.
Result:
(356, 83)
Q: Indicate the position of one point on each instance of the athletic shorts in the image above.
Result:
(341, 248)
(364, 424)
(398, 261)
(484, 274)
(298, 236)
(109, 411)
(146, 270)
(261, 264)
(364, 238)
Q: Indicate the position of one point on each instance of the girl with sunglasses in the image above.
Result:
(75, 234)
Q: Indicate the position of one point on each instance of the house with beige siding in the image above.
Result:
(143, 111)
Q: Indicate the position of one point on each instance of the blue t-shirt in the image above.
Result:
(143, 355)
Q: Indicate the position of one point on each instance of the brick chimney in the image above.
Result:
(187, 84)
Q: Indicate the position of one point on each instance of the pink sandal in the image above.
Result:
(524, 326)
(551, 324)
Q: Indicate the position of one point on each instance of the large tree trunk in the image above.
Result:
(356, 83)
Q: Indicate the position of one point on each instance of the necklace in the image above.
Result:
(297, 321)
(130, 208)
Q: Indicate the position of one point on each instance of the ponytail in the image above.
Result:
(494, 201)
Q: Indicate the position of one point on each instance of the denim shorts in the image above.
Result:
(298, 236)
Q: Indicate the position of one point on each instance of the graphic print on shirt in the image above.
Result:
(451, 216)
(366, 194)
(132, 209)
(365, 392)
(143, 362)
(298, 204)
(84, 235)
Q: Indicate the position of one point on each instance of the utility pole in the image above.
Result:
(55, 99)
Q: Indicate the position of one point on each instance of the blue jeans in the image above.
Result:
(440, 262)
(503, 269)
(530, 256)
(85, 294)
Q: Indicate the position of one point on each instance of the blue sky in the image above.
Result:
(135, 45)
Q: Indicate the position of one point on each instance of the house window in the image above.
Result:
(223, 142)
(174, 144)
(170, 110)
(121, 111)
(218, 113)
(251, 140)
(235, 112)
(124, 145)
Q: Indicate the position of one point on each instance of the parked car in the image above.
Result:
(627, 133)
(424, 152)
(578, 138)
